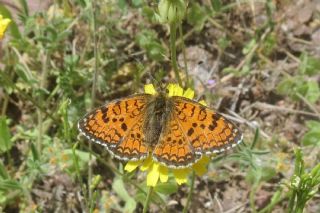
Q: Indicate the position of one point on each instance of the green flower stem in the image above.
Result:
(184, 56)
(252, 196)
(43, 80)
(75, 159)
(173, 36)
(299, 209)
(185, 209)
(146, 204)
(291, 201)
(93, 95)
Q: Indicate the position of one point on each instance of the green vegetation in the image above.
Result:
(246, 58)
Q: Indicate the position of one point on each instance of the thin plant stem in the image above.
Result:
(94, 198)
(77, 168)
(252, 196)
(276, 199)
(173, 49)
(42, 85)
(291, 201)
(40, 130)
(186, 207)
(184, 55)
(93, 90)
(5, 104)
(146, 203)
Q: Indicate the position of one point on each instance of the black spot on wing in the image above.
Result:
(124, 127)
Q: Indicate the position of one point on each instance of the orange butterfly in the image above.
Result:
(177, 131)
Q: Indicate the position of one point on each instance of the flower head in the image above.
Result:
(4, 22)
(157, 171)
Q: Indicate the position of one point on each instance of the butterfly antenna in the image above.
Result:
(154, 80)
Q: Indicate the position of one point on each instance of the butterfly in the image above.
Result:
(175, 130)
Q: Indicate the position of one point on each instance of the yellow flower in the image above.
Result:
(4, 22)
(157, 171)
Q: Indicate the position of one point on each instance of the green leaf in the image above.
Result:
(309, 65)
(285, 87)
(313, 125)
(5, 136)
(147, 40)
(247, 48)
(8, 185)
(197, 16)
(3, 172)
(216, 5)
(308, 89)
(224, 42)
(140, 197)
(155, 51)
(34, 151)
(166, 188)
(244, 70)
(312, 137)
(269, 44)
(313, 92)
(24, 6)
(229, 70)
(122, 4)
(83, 3)
(148, 12)
(315, 174)
(137, 3)
(262, 173)
(81, 156)
(25, 75)
(268, 173)
(118, 187)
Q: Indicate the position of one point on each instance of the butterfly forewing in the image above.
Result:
(118, 126)
(207, 131)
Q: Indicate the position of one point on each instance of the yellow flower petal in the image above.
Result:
(149, 89)
(178, 91)
(132, 165)
(147, 163)
(171, 90)
(203, 103)
(153, 175)
(3, 25)
(181, 175)
(163, 174)
(200, 167)
(189, 93)
(174, 90)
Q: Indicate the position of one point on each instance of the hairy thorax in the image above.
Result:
(158, 113)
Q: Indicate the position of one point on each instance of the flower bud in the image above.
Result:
(171, 11)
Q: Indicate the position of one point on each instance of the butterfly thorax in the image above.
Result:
(158, 112)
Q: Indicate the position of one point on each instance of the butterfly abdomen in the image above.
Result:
(157, 114)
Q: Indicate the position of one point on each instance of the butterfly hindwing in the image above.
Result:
(174, 148)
